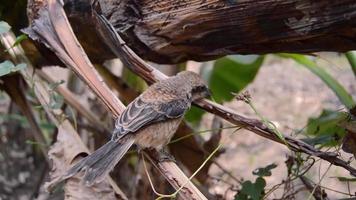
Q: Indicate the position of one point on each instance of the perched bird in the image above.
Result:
(149, 121)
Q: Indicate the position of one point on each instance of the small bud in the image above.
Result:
(244, 96)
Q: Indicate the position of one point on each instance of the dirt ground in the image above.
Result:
(287, 94)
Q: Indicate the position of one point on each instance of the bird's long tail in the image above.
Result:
(98, 165)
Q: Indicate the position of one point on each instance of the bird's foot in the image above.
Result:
(164, 156)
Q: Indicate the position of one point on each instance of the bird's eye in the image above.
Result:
(201, 88)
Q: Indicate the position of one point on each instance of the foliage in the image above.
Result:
(8, 67)
(56, 100)
(255, 191)
(351, 57)
(326, 128)
(232, 74)
(4, 27)
(264, 171)
(333, 84)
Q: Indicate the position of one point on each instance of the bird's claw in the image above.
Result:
(164, 156)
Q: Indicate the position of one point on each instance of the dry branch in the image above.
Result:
(172, 31)
(150, 74)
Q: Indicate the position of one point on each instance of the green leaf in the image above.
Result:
(333, 84)
(5, 67)
(232, 74)
(253, 190)
(264, 171)
(8, 67)
(4, 27)
(327, 140)
(18, 67)
(346, 179)
(54, 85)
(56, 101)
(351, 57)
(327, 128)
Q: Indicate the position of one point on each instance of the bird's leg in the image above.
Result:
(161, 155)
(164, 156)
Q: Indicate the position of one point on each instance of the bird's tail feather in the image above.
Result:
(98, 165)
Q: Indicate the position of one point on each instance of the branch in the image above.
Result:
(176, 31)
(150, 74)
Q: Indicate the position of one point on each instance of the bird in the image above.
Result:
(149, 122)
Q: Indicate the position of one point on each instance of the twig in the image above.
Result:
(315, 190)
(151, 75)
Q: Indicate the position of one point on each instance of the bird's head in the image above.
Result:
(195, 85)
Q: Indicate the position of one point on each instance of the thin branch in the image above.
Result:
(151, 75)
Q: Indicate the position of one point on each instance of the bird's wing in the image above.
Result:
(140, 113)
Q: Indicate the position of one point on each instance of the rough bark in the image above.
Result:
(172, 31)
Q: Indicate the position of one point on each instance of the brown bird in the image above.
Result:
(149, 121)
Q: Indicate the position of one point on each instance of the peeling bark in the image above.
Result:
(173, 31)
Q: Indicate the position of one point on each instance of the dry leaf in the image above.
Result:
(67, 149)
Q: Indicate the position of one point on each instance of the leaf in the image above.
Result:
(68, 149)
(333, 84)
(18, 67)
(253, 190)
(8, 67)
(265, 171)
(54, 85)
(346, 179)
(56, 101)
(351, 57)
(327, 128)
(232, 74)
(5, 67)
(4, 27)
